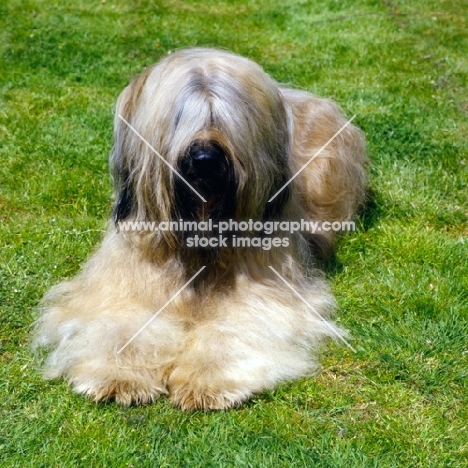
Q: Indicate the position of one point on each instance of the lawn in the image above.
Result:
(401, 280)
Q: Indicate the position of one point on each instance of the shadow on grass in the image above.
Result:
(368, 216)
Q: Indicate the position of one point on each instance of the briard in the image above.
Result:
(206, 138)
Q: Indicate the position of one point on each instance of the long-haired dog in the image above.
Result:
(143, 319)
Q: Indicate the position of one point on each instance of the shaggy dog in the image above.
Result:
(206, 135)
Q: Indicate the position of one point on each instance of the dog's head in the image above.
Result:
(202, 134)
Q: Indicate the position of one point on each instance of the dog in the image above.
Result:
(205, 135)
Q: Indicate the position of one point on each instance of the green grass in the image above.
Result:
(401, 281)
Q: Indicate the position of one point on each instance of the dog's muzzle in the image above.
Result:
(208, 169)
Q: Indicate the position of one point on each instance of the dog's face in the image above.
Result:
(223, 129)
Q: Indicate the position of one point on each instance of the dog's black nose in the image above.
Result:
(206, 155)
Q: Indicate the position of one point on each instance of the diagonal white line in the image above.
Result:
(312, 158)
(157, 154)
(313, 309)
(161, 309)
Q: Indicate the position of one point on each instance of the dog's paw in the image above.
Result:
(125, 393)
(190, 398)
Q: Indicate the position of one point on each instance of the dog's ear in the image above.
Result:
(123, 151)
(274, 209)
(121, 169)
